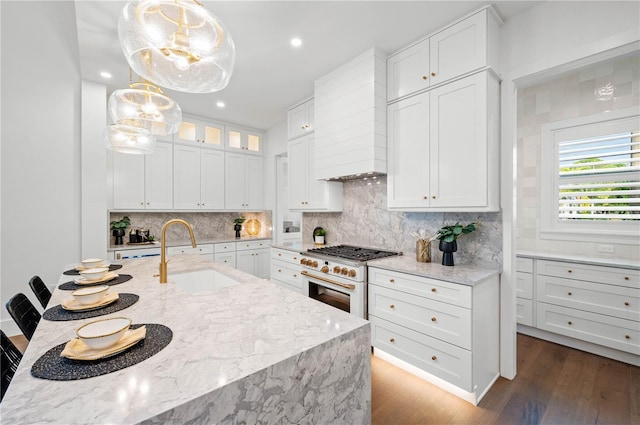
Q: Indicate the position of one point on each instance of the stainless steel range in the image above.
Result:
(337, 275)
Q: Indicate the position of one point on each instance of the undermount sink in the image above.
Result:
(202, 281)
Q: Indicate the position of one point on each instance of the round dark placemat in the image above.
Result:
(72, 286)
(74, 272)
(53, 367)
(59, 314)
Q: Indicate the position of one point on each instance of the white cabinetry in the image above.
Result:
(244, 140)
(431, 324)
(443, 148)
(285, 269)
(306, 193)
(199, 178)
(243, 182)
(253, 257)
(524, 291)
(225, 253)
(205, 250)
(466, 46)
(144, 181)
(207, 133)
(300, 119)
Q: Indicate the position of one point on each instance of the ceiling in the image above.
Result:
(270, 75)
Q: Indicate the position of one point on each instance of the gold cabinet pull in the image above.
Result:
(391, 280)
(626, 303)
(434, 358)
(570, 322)
(433, 289)
(279, 271)
(433, 74)
(627, 336)
(433, 319)
(569, 293)
(570, 271)
(433, 197)
(280, 255)
(425, 197)
(626, 278)
(424, 77)
(392, 306)
(295, 275)
(392, 340)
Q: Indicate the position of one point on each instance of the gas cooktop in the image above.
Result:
(354, 253)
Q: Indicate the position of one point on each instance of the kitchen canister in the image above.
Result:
(423, 251)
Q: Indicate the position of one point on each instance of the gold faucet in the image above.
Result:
(163, 259)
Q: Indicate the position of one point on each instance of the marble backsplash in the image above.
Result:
(365, 221)
(206, 225)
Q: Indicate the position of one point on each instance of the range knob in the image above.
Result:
(344, 271)
(352, 273)
(314, 264)
(336, 269)
(325, 269)
(303, 261)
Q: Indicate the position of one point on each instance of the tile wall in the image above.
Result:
(571, 95)
(365, 221)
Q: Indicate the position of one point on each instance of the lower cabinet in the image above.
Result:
(206, 250)
(594, 308)
(524, 291)
(285, 269)
(225, 253)
(253, 257)
(446, 330)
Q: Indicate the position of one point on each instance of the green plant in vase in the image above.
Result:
(118, 228)
(237, 224)
(448, 236)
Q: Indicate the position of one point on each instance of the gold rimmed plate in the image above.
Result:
(80, 267)
(73, 305)
(78, 350)
(107, 277)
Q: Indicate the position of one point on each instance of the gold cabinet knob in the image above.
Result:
(352, 273)
(569, 293)
(392, 280)
(279, 271)
(434, 358)
(433, 319)
(392, 340)
(433, 197)
(279, 255)
(433, 74)
(425, 197)
(570, 322)
(626, 303)
(295, 258)
(325, 269)
(570, 271)
(424, 77)
(392, 306)
(295, 275)
(627, 336)
(626, 278)
(433, 289)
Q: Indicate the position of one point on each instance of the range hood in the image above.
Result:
(351, 120)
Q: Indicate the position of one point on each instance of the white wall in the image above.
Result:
(276, 143)
(543, 38)
(40, 214)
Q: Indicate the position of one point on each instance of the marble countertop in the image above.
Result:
(187, 242)
(595, 261)
(219, 337)
(461, 274)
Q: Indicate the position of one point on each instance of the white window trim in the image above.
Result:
(550, 226)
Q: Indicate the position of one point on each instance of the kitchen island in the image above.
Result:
(247, 353)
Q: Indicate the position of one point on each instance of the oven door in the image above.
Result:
(337, 292)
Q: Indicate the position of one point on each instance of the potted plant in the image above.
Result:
(318, 235)
(448, 235)
(118, 228)
(237, 225)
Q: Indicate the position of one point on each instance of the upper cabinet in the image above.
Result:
(300, 119)
(244, 140)
(144, 181)
(243, 182)
(468, 45)
(198, 182)
(205, 133)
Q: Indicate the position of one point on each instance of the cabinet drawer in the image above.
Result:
(446, 361)
(243, 246)
(524, 264)
(286, 286)
(524, 312)
(612, 300)
(291, 257)
(447, 322)
(434, 289)
(600, 274)
(609, 331)
(224, 247)
(188, 249)
(524, 285)
(283, 271)
(228, 258)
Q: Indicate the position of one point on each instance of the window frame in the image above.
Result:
(551, 226)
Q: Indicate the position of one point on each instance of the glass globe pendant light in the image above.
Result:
(177, 44)
(144, 105)
(129, 139)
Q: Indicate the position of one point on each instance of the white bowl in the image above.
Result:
(91, 295)
(91, 263)
(103, 333)
(94, 274)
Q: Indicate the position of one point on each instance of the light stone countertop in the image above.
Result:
(222, 339)
(187, 242)
(594, 261)
(462, 274)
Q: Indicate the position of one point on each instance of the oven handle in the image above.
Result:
(324, 279)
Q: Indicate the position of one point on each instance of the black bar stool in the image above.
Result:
(24, 314)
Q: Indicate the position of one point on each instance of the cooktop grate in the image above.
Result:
(352, 252)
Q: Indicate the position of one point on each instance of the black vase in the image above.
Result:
(237, 228)
(448, 248)
(118, 233)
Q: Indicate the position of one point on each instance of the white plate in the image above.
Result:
(73, 305)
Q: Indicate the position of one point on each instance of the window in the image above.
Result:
(591, 178)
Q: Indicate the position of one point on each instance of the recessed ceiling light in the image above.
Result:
(296, 42)
(220, 104)
(105, 74)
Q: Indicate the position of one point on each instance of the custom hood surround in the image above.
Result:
(351, 119)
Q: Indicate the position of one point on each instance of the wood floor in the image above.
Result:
(554, 385)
